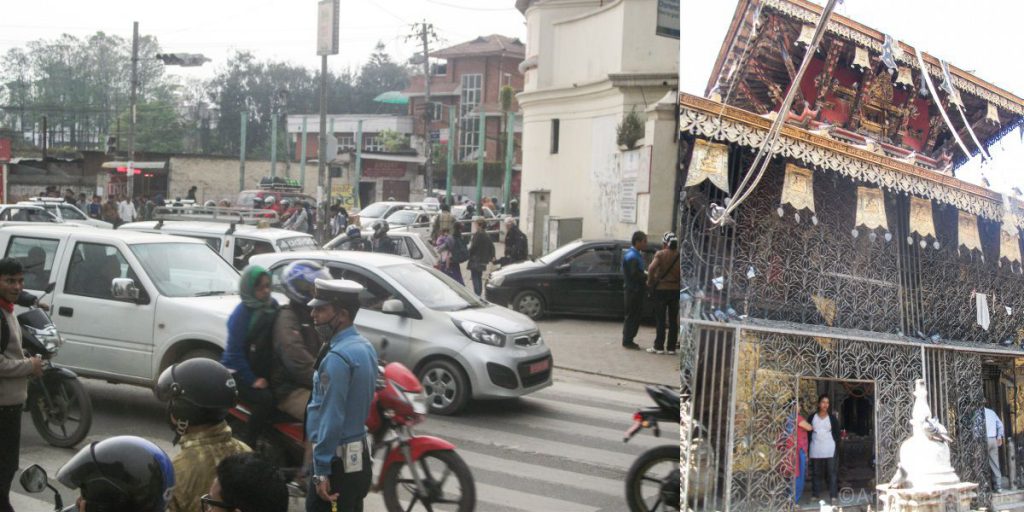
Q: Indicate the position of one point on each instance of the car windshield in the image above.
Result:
(434, 289)
(297, 243)
(375, 210)
(186, 269)
(403, 217)
(71, 213)
(557, 254)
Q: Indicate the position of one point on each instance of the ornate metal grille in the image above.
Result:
(768, 367)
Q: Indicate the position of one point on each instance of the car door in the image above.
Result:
(585, 281)
(371, 321)
(102, 335)
(38, 256)
(246, 248)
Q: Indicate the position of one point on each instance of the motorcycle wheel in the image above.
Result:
(62, 413)
(436, 469)
(646, 492)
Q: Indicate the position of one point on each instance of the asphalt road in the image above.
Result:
(559, 449)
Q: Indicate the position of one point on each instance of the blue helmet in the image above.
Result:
(121, 473)
(353, 231)
(299, 279)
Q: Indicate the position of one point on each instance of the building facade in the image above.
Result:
(853, 264)
(574, 97)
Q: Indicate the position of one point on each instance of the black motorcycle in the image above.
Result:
(652, 483)
(60, 407)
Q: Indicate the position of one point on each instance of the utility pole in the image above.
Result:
(425, 32)
(328, 12)
(131, 122)
(241, 152)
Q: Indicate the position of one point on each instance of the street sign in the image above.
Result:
(668, 18)
(327, 27)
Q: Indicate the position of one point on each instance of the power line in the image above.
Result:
(467, 8)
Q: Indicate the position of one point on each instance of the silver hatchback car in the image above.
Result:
(459, 346)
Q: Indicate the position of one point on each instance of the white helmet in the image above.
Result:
(269, 199)
(668, 238)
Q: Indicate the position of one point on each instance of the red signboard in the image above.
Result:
(384, 169)
(5, 150)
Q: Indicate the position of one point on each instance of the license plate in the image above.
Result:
(540, 366)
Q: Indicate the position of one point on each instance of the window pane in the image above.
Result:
(374, 293)
(36, 255)
(592, 261)
(413, 251)
(70, 213)
(93, 267)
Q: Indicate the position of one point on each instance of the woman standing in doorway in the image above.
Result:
(823, 443)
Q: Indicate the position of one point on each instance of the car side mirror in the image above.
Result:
(393, 307)
(563, 268)
(33, 479)
(123, 288)
(50, 287)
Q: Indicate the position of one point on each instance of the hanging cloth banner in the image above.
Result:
(938, 104)
(921, 220)
(871, 208)
(981, 305)
(967, 231)
(1009, 237)
(798, 188)
(992, 114)
(861, 58)
(710, 162)
(890, 52)
(954, 98)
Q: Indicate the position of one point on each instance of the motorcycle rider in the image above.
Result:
(381, 241)
(296, 343)
(119, 474)
(356, 240)
(343, 387)
(198, 393)
(15, 369)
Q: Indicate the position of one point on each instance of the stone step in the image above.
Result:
(1017, 506)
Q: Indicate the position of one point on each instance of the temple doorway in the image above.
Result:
(853, 404)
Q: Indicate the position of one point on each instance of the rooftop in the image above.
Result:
(493, 44)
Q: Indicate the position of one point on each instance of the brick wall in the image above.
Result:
(217, 178)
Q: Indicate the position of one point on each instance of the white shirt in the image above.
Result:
(993, 425)
(126, 210)
(822, 444)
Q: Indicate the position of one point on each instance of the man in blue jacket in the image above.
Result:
(633, 266)
(343, 387)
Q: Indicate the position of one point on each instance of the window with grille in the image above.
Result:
(469, 139)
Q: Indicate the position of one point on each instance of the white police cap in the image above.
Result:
(326, 291)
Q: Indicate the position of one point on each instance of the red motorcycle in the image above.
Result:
(416, 470)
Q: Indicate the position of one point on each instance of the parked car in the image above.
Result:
(580, 278)
(460, 347)
(233, 241)
(127, 304)
(66, 212)
(381, 210)
(409, 245)
(411, 220)
(493, 220)
(26, 213)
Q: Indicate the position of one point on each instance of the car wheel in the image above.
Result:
(529, 303)
(445, 385)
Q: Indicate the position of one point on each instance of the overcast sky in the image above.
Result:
(980, 35)
(271, 29)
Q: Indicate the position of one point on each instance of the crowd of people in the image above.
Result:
(304, 358)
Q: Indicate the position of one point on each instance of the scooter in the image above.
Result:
(34, 480)
(57, 401)
(422, 470)
(664, 493)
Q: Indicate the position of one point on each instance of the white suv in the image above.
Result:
(172, 303)
(66, 212)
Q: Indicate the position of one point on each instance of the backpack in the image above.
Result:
(461, 253)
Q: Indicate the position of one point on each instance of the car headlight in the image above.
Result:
(49, 337)
(496, 279)
(418, 401)
(481, 333)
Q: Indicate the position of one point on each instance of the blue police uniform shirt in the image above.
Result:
(633, 270)
(343, 388)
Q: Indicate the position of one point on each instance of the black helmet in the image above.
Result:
(381, 228)
(198, 391)
(123, 473)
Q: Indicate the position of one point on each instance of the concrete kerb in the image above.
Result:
(617, 377)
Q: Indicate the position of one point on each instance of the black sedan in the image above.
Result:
(580, 278)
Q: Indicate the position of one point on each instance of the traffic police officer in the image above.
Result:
(343, 386)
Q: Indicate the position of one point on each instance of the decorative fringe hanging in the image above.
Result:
(798, 192)
(922, 223)
(967, 232)
(710, 162)
(871, 212)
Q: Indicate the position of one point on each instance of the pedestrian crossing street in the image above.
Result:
(558, 450)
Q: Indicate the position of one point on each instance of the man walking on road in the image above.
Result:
(635, 285)
(481, 252)
(515, 244)
(444, 221)
(663, 278)
(15, 370)
(343, 386)
(994, 434)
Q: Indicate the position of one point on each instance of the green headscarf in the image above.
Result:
(247, 289)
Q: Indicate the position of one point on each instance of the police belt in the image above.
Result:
(340, 450)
